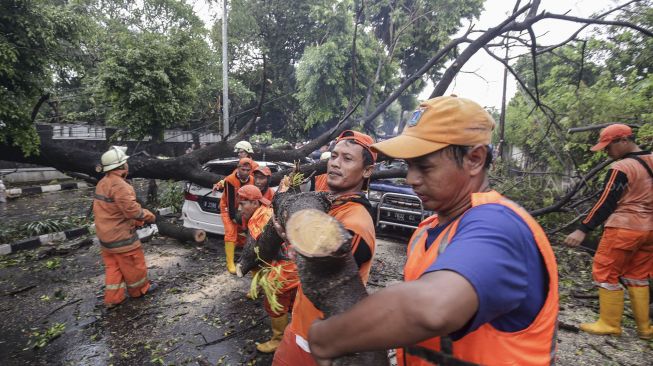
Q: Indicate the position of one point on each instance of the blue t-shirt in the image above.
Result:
(495, 251)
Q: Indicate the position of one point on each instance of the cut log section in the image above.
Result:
(180, 233)
(324, 238)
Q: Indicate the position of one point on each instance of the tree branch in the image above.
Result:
(597, 127)
(473, 47)
(577, 187)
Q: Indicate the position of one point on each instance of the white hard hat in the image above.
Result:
(244, 145)
(114, 158)
(325, 155)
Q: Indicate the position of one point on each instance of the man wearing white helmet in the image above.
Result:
(116, 216)
(245, 150)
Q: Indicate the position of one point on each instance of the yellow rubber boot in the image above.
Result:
(278, 326)
(639, 297)
(229, 249)
(611, 308)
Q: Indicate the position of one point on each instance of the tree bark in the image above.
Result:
(328, 271)
(269, 243)
(180, 233)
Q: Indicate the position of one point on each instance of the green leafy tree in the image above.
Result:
(34, 38)
(150, 73)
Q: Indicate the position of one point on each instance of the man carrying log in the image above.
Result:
(229, 207)
(256, 212)
(348, 171)
(116, 216)
(626, 248)
(481, 277)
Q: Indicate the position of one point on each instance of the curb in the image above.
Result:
(16, 192)
(144, 234)
(36, 241)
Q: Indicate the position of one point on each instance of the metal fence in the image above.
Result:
(90, 132)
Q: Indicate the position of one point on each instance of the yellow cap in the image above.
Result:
(438, 123)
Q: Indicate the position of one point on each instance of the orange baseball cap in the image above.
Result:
(438, 123)
(264, 170)
(610, 134)
(251, 192)
(360, 138)
(244, 161)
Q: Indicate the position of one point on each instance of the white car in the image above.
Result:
(201, 209)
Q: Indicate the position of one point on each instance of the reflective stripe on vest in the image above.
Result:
(120, 243)
(138, 283)
(115, 286)
(103, 198)
(534, 345)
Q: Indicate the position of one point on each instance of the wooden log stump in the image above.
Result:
(269, 242)
(328, 271)
(180, 233)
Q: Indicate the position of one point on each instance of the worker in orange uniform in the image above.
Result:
(262, 177)
(257, 211)
(348, 171)
(626, 248)
(481, 280)
(116, 216)
(229, 208)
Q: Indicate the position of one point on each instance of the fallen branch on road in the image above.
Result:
(61, 307)
(232, 335)
(15, 292)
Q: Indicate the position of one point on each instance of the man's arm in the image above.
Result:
(125, 198)
(437, 304)
(615, 183)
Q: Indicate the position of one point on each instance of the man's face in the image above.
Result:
(243, 170)
(242, 154)
(437, 180)
(345, 168)
(247, 208)
(615, 149)
(261, 181)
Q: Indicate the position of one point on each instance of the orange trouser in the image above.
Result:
(232, 230)
(286, 299)
(625, 254)
(290, 354)
(124, 270)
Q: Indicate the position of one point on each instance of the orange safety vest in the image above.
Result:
(288, 275)
(259, 219)
(321, 183)
(116, 212)
(269, 194)
(229, 199)
(535, 345)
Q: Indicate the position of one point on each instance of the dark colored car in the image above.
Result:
(395, 203)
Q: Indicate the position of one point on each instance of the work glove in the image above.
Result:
(148, 216)
(218, 186)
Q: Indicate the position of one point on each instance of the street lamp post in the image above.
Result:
(225, 74)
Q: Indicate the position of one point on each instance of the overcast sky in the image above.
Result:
(482, 76)
(487, 92)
